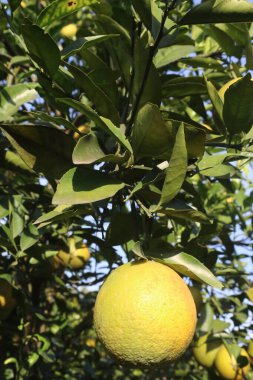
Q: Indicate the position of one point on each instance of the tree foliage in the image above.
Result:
(161, 171)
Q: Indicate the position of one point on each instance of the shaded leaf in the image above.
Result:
(59, 213)
(150, 137)
(84, 43)
(184, 86)
(102, 122)
(29, 237)
(219, 11)
(122, 228)
(170, 54)
(79, 186)
(179, 210)
(43, 149)
(95, 94)
(238, 106)
(176, 172)
(17, 216)
(87, 151)
(12, 97)
(45, 52)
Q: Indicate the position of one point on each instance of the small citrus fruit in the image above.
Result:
(7, 299)
(84, 129)
(69, 30)
(227, 366)
(205, 350)
(250, 351)
(75, 259)
(90, 342)
(145, 314)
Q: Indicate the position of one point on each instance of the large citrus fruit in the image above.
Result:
(145, 314)
(7, 299)
(75, 259)
(205, 350)
(227, 366)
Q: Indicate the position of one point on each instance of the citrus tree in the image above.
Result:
(126, 134)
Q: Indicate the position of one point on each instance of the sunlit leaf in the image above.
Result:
(80, 186)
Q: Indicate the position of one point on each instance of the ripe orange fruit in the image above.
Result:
(75, 259)
(227, 366)
(205, 350)
(145, 314)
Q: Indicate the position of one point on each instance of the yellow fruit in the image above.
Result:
(69, 31)
(205, 350)
(145, 314)
(75, 259)
(23, 4)
(90, 342)
(250, 352)
(227, 366)
(7, 300)
(83, 129)
(197, 296)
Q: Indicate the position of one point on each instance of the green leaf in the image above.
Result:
(138, 251)
(42, 48)
(87, 151)
(238, 106)
(79, 186)
(54, 120)
(219, 171)
(43, 149)
(143, 8)
(13, 162)
(14, 4)
(102, 122)
(17, 216)
(218, 105)
(195, 135)
(170, 54)
(95, 94)
(12, 97)
(180, 211)
(150, 137)
(29, 237)
(85, 43)
(184, 86)
(152, 89)
(176, 172)
(58, 214)
(205, 322)
(191, 267)
(59, 9)
(219, 11)
(122, 227)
